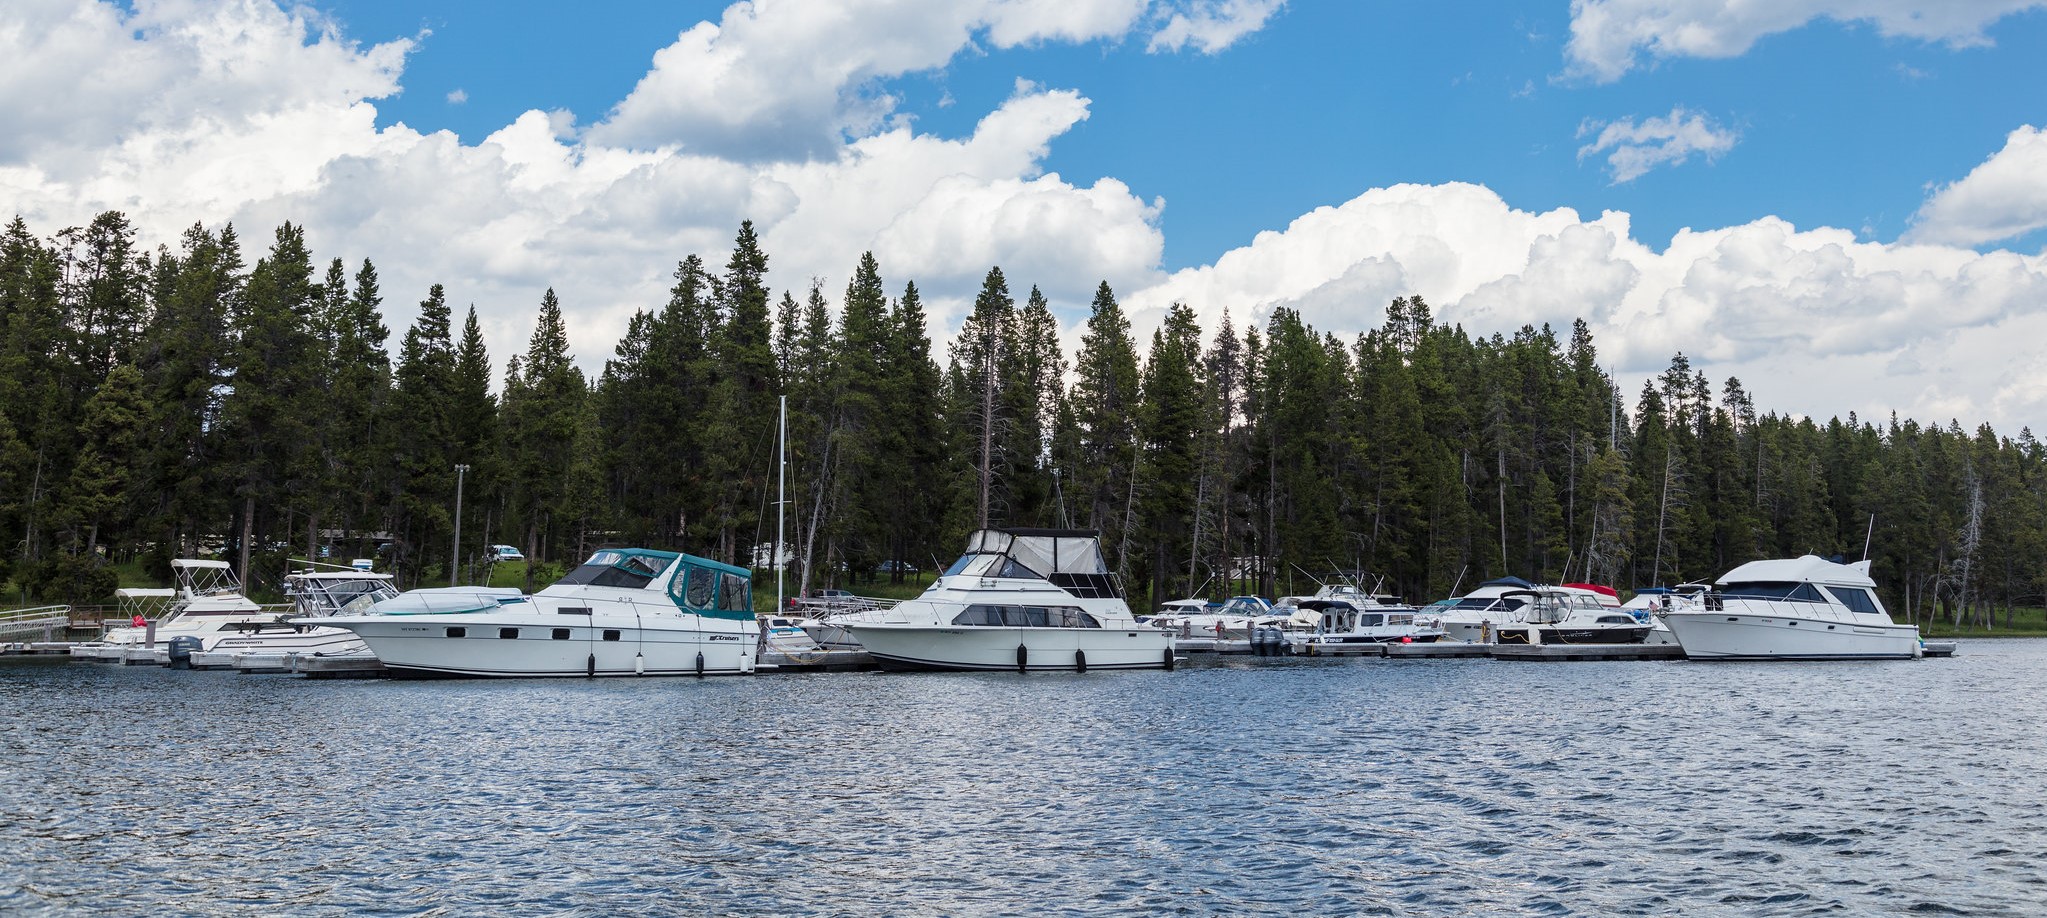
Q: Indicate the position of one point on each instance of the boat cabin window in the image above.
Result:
(736, 593)
(973, 565)
(1856, 599)
(1617, 620)
(1784, 591)
(1026, 617)
(616, 569)
(1371, 621)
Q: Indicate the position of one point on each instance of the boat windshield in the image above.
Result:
(1481, 603)
(628, 570)
(1781, 591)
(338, 597)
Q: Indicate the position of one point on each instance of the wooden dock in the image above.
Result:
(343, 666)
(816, 661)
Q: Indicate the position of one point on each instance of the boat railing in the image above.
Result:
(821, 609)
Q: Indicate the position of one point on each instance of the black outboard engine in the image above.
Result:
(180, 650)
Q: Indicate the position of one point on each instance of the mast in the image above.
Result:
(781, 493)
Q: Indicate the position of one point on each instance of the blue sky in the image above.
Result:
(1838, 124)
(1842, 202)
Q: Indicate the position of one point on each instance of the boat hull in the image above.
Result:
(1725, 636)
(896, 646)
(541, 645)
(1630, 634)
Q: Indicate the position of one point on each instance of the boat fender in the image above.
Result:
(700, 664)
(590, 666)
(1080, 661)
(639, 664)
(138, 621)
(1169, 659)
(1023, 657)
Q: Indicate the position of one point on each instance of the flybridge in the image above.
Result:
(1070, 559)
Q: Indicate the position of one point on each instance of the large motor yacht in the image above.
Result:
(624, 612)
(1023, 599)
(274, 646)
(1805, 608)
(207, 604)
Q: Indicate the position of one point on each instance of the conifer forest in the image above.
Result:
(208, 399)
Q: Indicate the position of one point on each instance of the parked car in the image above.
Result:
(890, 567)
(506, 553)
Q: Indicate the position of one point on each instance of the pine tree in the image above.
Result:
(1105, 398)
(544, 435)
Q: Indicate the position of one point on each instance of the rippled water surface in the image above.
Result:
(1246, 786)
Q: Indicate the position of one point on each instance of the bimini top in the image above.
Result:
(1808, 569)
(1070, 558)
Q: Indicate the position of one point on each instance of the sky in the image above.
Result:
(1841, 202)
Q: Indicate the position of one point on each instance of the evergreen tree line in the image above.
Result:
(183, 402)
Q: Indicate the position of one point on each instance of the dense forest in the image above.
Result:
(183, 402)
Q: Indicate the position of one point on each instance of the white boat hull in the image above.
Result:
(274, 651)
(907, 646)
(1729, 635)
(525, 645)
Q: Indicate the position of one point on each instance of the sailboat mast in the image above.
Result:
(781, 493)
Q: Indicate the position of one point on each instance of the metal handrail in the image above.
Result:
(35, 617)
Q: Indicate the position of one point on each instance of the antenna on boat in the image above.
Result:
(1460, 579)
(1868, 537)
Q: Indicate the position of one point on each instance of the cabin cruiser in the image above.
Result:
(1023, 599)
(274, 646)
(1477, 616)
(206, 605)
(1559, 615)
(1805, 608)
(1232, 627)
(623, 612)
(1323, 625)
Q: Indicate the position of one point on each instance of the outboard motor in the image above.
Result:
(181, 649)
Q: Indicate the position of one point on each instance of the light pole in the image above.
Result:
(455, 559)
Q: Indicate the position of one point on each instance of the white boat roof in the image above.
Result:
(1810, 568)
(144, 593)
(195, 562)
(340, 575)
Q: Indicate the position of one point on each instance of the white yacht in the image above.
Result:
(274, 646)
(207, 604)
(1564, 615)
(623, 612)
(1476, 617)
(1805, 608)
(1022, 599)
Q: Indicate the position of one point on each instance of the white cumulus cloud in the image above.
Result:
(1212, 25)
(1607, 36)
(1812, 320)
(2006, 196)
(1633, 149)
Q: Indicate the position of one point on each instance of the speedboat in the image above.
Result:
(623, 612)
(1805, 608)
(1023, 599)
(274, 646)
(1558, 615)
(207, 606)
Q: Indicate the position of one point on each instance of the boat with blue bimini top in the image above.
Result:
(1021, 599)
(623, 612)
(1805, 608)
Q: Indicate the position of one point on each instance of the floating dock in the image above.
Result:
(815, 661)
(344, 666)
(1587, 652)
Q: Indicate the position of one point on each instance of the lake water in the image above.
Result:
(1243, 786)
